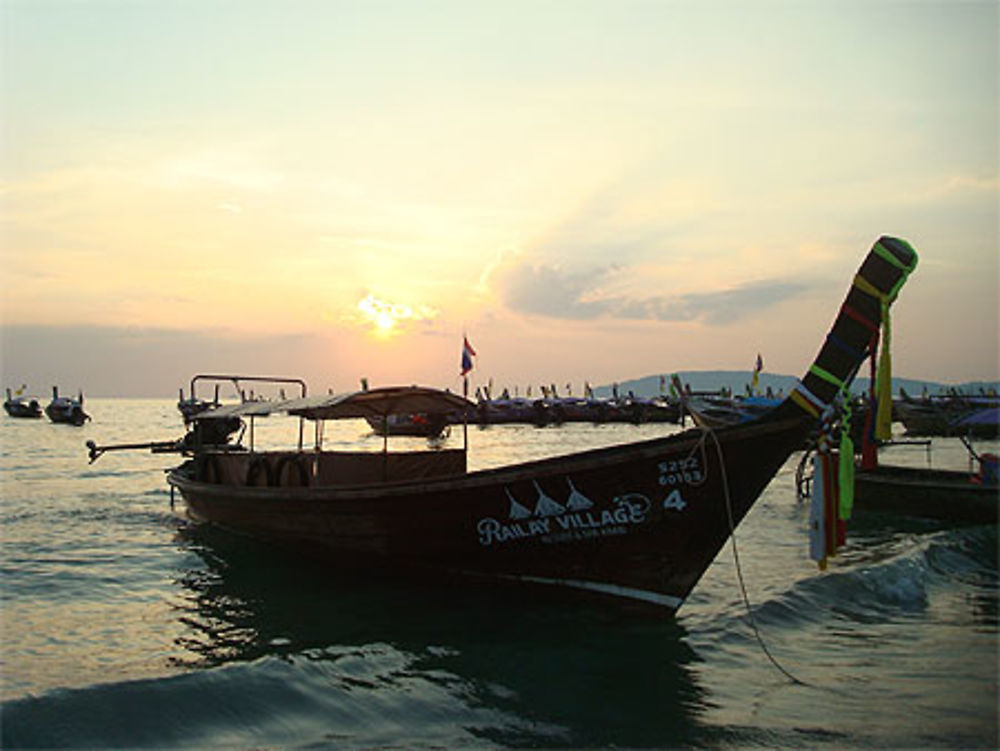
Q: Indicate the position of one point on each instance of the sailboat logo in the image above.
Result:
(517, 511)
(550, 521)
(577, 501)
(547, 506)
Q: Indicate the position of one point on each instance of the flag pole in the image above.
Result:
(467, 354)
(465, 417)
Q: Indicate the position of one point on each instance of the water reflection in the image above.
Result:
(600, 677)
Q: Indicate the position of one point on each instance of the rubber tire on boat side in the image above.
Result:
(208, 469)
(257, 466)
(299, 464)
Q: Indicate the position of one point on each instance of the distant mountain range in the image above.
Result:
(739, 380)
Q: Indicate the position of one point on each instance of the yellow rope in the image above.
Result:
(804, 403)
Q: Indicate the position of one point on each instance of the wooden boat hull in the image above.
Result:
(642, 521)
(944, 495)
(72, 415)
(542, 412)
(417, 426)
(945, 417)
(28, 410)
(65, 410)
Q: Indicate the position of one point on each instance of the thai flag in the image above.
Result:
(467, 354)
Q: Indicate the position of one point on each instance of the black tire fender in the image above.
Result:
(209, 470)
(259, 472)
(292, 466)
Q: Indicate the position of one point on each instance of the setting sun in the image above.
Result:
(384, 322)
(385, 317)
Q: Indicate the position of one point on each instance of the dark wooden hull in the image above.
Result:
(720, 412)
(709, 416)
(30, 410)
(641, 521)
(943, 418)
(543, 412)
(66, 415)
(944, 495)
(417, 426)
(978, 431)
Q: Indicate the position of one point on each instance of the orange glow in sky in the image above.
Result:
(673, 185)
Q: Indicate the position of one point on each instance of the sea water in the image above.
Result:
(123, 626)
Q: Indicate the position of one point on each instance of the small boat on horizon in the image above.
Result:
(558, 410)
(417, 424)
(65, 410)
(20, 405)
(942, 414)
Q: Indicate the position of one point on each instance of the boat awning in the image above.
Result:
(379, 402)
(989, 416)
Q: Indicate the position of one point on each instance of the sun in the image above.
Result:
(384, 322)
(385, 318)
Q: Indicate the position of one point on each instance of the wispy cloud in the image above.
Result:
(726, 305)
(554, 292)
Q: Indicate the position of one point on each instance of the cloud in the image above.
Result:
(638, 215)
(727, 305)
(554, 292)
(550, 291)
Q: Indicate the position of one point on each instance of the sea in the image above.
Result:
(126, 626)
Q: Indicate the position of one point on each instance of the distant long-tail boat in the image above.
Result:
(21, 405)
(66, 410)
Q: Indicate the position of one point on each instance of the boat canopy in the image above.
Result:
(378, 402)
(988, 416)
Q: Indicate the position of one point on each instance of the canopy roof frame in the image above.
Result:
(376, 403)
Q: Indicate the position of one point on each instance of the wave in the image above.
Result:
(343, 697)
(894, 578)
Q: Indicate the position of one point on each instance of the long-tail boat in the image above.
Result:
(945, 415)
(950, 496)
(66, 410)
(19, 405)
(640, 522)
(719, 412)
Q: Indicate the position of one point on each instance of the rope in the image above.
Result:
(828, 377)
(807, 400)
(736, 559)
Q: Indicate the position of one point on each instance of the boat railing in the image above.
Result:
(237, 380)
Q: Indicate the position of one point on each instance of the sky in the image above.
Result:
(588, 190)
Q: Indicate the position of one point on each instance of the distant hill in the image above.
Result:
(739, 380)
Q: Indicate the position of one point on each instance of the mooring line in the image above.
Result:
(736, 558)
